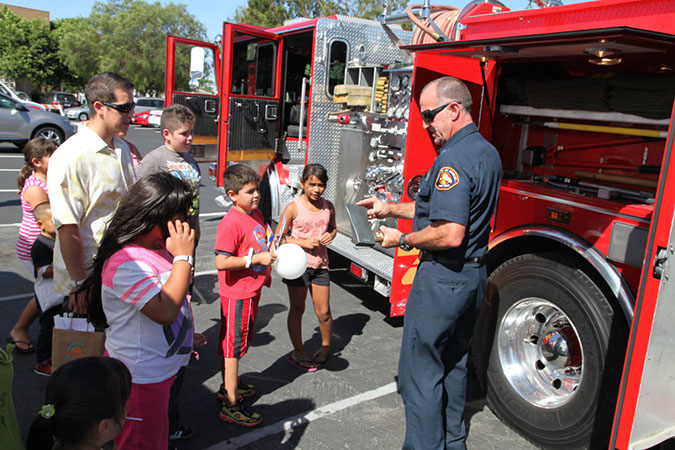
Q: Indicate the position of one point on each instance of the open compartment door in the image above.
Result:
(480, 80)
(645, 415)
(192, 79)
(251, 92)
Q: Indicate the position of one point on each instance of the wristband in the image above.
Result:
(248, 258)
(187, 258)
(78, 283)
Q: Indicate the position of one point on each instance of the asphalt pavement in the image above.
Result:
(351, 402)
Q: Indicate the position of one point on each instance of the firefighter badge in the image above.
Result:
(447, 179)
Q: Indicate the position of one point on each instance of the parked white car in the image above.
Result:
(80, 113)
(9, 92)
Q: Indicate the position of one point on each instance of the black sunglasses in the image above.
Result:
(123, 108)
(430, 114)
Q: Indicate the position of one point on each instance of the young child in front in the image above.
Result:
(311, 219)
(138, 288)
(242, 260)
(49, 302)
(84, 405)
(177, 123)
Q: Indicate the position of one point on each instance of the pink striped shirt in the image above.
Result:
(28, 230)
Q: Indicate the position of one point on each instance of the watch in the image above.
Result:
(187, 258)
(402, 245)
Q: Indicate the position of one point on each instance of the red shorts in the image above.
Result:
(236, 325)
(149, 403)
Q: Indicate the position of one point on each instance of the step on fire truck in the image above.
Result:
(578, 99)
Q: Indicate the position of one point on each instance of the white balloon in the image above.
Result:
(291, 261)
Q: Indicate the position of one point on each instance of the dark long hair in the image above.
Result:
(81, 393)
(151, 201)
(36, 148)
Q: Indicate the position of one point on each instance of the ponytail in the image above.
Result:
(25, 172)
(36, 148)
(40, 435)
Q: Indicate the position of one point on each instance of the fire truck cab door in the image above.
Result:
(193, 79)
(250, 97)
(645, 415)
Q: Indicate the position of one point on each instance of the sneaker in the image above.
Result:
(44, 368)
(181, 433)
(244, 391)
(237, 414)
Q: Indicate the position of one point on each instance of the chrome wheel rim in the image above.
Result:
(51, 135)
(540, 352)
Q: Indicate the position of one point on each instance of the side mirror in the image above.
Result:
(197, 55)
(20, 106)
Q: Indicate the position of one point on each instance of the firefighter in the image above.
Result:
(451, 225)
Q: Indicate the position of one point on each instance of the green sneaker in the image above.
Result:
(237, 414)
(244, 391)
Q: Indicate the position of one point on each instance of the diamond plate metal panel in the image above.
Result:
(372, 46)
(368, 258)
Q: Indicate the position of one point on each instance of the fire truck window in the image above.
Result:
(253, 64)
(207, 84)
(337, 58)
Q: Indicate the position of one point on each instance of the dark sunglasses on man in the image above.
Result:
(428, 115)
(123, 108)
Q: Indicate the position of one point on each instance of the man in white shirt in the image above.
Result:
(88, 174)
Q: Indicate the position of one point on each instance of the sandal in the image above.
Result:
(298, 363)
(28, 346)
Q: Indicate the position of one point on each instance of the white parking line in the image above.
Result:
(213, 214)
(10, 224)
(303, 419)
(10, 170)
(11, 156)
(8, 190)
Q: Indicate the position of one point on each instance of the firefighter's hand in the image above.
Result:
(391, 237)
(377, 209)
(264, 258)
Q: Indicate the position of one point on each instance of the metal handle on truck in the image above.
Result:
(302, 110)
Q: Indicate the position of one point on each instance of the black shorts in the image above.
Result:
(318, 277)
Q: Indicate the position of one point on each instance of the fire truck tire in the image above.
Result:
(553, 375)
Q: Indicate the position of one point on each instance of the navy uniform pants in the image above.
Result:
(440, 317)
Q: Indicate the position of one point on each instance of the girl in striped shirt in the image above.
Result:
(32, 184)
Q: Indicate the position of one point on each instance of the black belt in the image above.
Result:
(447, 260)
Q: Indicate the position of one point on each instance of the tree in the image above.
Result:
(78, 50)
(127, 37)
(27, 50)
(263, 13)
(272, 13)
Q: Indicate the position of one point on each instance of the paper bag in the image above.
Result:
(71, 344)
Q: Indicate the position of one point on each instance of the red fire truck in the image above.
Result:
(578, 99)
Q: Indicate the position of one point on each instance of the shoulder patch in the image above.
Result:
(447, 179)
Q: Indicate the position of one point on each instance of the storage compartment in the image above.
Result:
(592, 130)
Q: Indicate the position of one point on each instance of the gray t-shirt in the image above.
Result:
(182, 165)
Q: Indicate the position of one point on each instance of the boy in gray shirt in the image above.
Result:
(177, 124)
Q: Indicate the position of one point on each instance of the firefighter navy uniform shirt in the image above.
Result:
(461, 186)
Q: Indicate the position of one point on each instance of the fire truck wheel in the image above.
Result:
(557, 353)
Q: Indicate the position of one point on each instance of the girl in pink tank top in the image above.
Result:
(311, 219)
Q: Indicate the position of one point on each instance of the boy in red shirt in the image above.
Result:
(243, 264)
